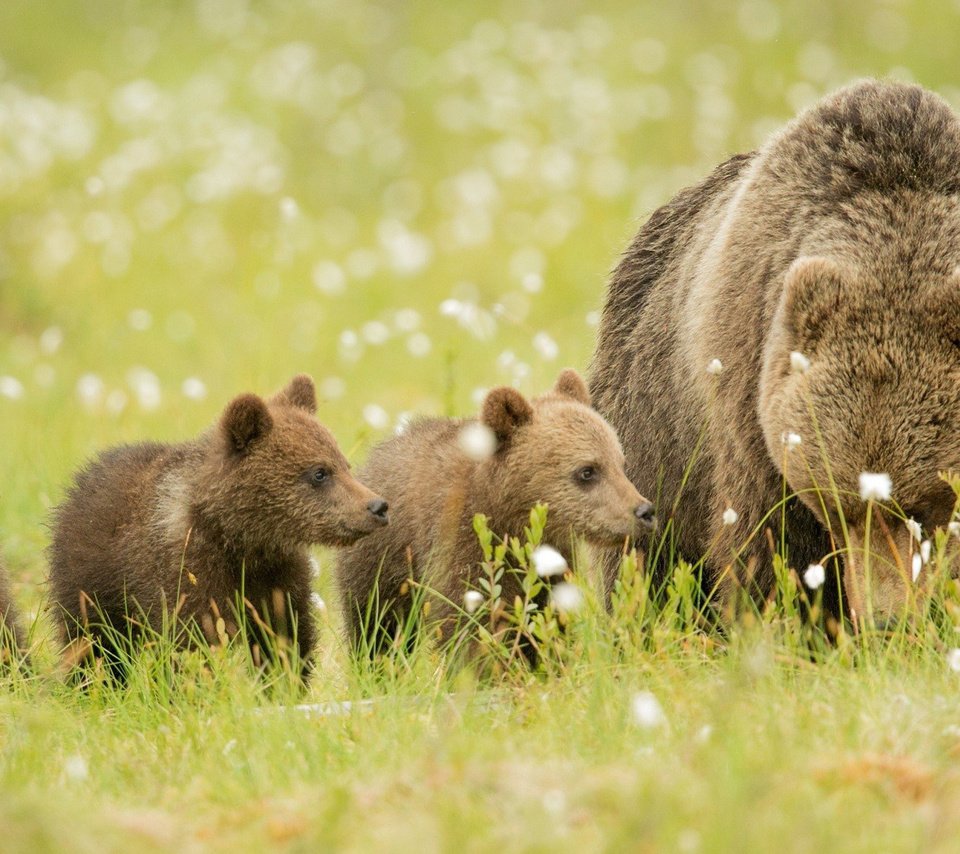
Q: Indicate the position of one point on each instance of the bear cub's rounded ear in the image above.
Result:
(571, 384)
(300, 392)
(504, 410)
(245, 420)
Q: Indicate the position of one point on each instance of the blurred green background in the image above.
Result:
(410, 201)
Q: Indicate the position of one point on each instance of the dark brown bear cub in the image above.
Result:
(212, 532)
(12, 641)
(555, 449)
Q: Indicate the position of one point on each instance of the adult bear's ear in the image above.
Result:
(571, 384)
(245, 420)
(300, 392)
(813, 292)
(504, 410)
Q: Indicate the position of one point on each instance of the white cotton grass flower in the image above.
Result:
(289, 209)
(954, 528)
(50, 340)
(953, 660)
(116, 401)
(419, 344)
(194, 388)
(75, 768)
(714, 367)
(548, 562)
(916, 565)
(477, 441)
(799, 363)
(730, 516)
(554, 801)
(90, 389)
(646, 710)
(139, 320)
(546, 346)
(925, 548)
(814, 576)
(11, 388)
(376, 416)
(317, 601)
(375, 332)
(791, 440)
(472, 600)
(314, 566)
(875, 486)
(145, 385)
(915, 529)
(566, 598)
(403, 423)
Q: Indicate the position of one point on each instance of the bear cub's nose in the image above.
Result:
(378, 507)
(644, 513)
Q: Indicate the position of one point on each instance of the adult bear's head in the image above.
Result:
(863, 365)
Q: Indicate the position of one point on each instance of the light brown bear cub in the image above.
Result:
(152, 530)
(555, 449)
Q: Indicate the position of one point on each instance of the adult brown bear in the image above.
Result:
(838, 241)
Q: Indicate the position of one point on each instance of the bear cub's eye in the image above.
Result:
(320, 475)
(586, 474)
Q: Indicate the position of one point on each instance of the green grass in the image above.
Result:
(401, 155)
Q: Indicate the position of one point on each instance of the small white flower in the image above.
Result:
(403, 423)
(376, 416)
(730, 516)
(375, 332)
(799, 363)
(50, 340)
(953, 660)
(925, 547)
(140, 320)
(647, 711)
(916, 564)
(814, 576)
(566, 598)
(331, 388)
(289, 209)
(791, 440)
(145, 385)
(11, 387)
(194, 388)
(916, 531)
(954, 528)
(548, 562)
(714, 367)
(317, 601)
(419, 344)
(314, 566)
(477, 441)
(472, 600)
(76, 768)
(90, 390)
(546, 346)
(875, 486)
(329, 278)
(554, 801)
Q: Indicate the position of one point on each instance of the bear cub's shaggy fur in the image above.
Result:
(555, 449)
(149, 531)
(12, 640)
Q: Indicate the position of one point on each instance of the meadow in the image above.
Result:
(414, 202)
